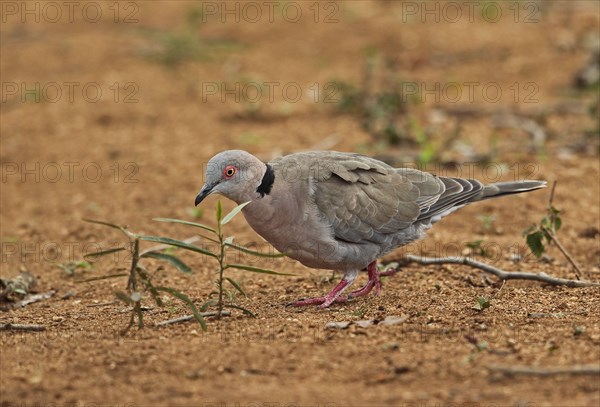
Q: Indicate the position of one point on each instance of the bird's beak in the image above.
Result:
(204, 192)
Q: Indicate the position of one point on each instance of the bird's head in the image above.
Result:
(234, 174)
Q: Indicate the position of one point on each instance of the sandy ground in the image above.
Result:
(114, 119)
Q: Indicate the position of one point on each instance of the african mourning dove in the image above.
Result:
(341, 211)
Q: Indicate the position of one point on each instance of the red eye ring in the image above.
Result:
(229, 171)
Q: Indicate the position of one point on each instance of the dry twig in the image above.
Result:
(186, 318)
(504, 275)
(22, 327)
(554, 238)
(548, 371)
(34, 298)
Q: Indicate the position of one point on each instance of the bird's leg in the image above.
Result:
(374, 281)
(333, 296)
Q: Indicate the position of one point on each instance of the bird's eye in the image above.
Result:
(229, 171)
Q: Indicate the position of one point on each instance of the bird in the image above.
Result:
(341, 211)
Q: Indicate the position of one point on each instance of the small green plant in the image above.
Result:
(379, 101)
(140, 282)
(541, 235)
(185, 44)
(477, 248)
(196, 213)
(428, 151)
(71, 267)
(223, 244)
(360, 312)
(535, 235)
(482, 303)
(487, 222)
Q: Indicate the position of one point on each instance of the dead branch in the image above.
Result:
(504, 275)
(34, 298)
(186, 318)
(548, 371)
(102, 304)
(22, 327)
(554, 238)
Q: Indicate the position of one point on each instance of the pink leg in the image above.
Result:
(374, 281)
(335, 294)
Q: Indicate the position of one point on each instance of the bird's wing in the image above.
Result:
(364, 199)
(457, 193)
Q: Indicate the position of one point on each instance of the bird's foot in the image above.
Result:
(335, 296)
(324, 302)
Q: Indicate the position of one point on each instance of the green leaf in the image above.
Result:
(185, 222)
(244, 310)
(256, 269)
(123, 229)
(482, 303)
(83, 264)
(177, 243)
(237, 286)
(547, 232)
(233, 212)
(557, 223)
(207, 304)
(219, 211)
(254, 252)
(175, 261)
(102, 253)
(476, 244)
(534, 241)
(99, 222)
(124, 297)
(208, 238)
(187, 301)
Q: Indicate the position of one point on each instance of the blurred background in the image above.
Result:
(110, 110)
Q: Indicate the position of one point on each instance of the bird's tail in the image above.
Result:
(460, 192)
(508, 188)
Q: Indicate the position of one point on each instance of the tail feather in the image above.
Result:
(461, 192)
(513, 187)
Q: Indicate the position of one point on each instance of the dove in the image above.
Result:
(341, 211)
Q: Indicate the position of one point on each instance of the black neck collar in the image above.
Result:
(267, 182)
